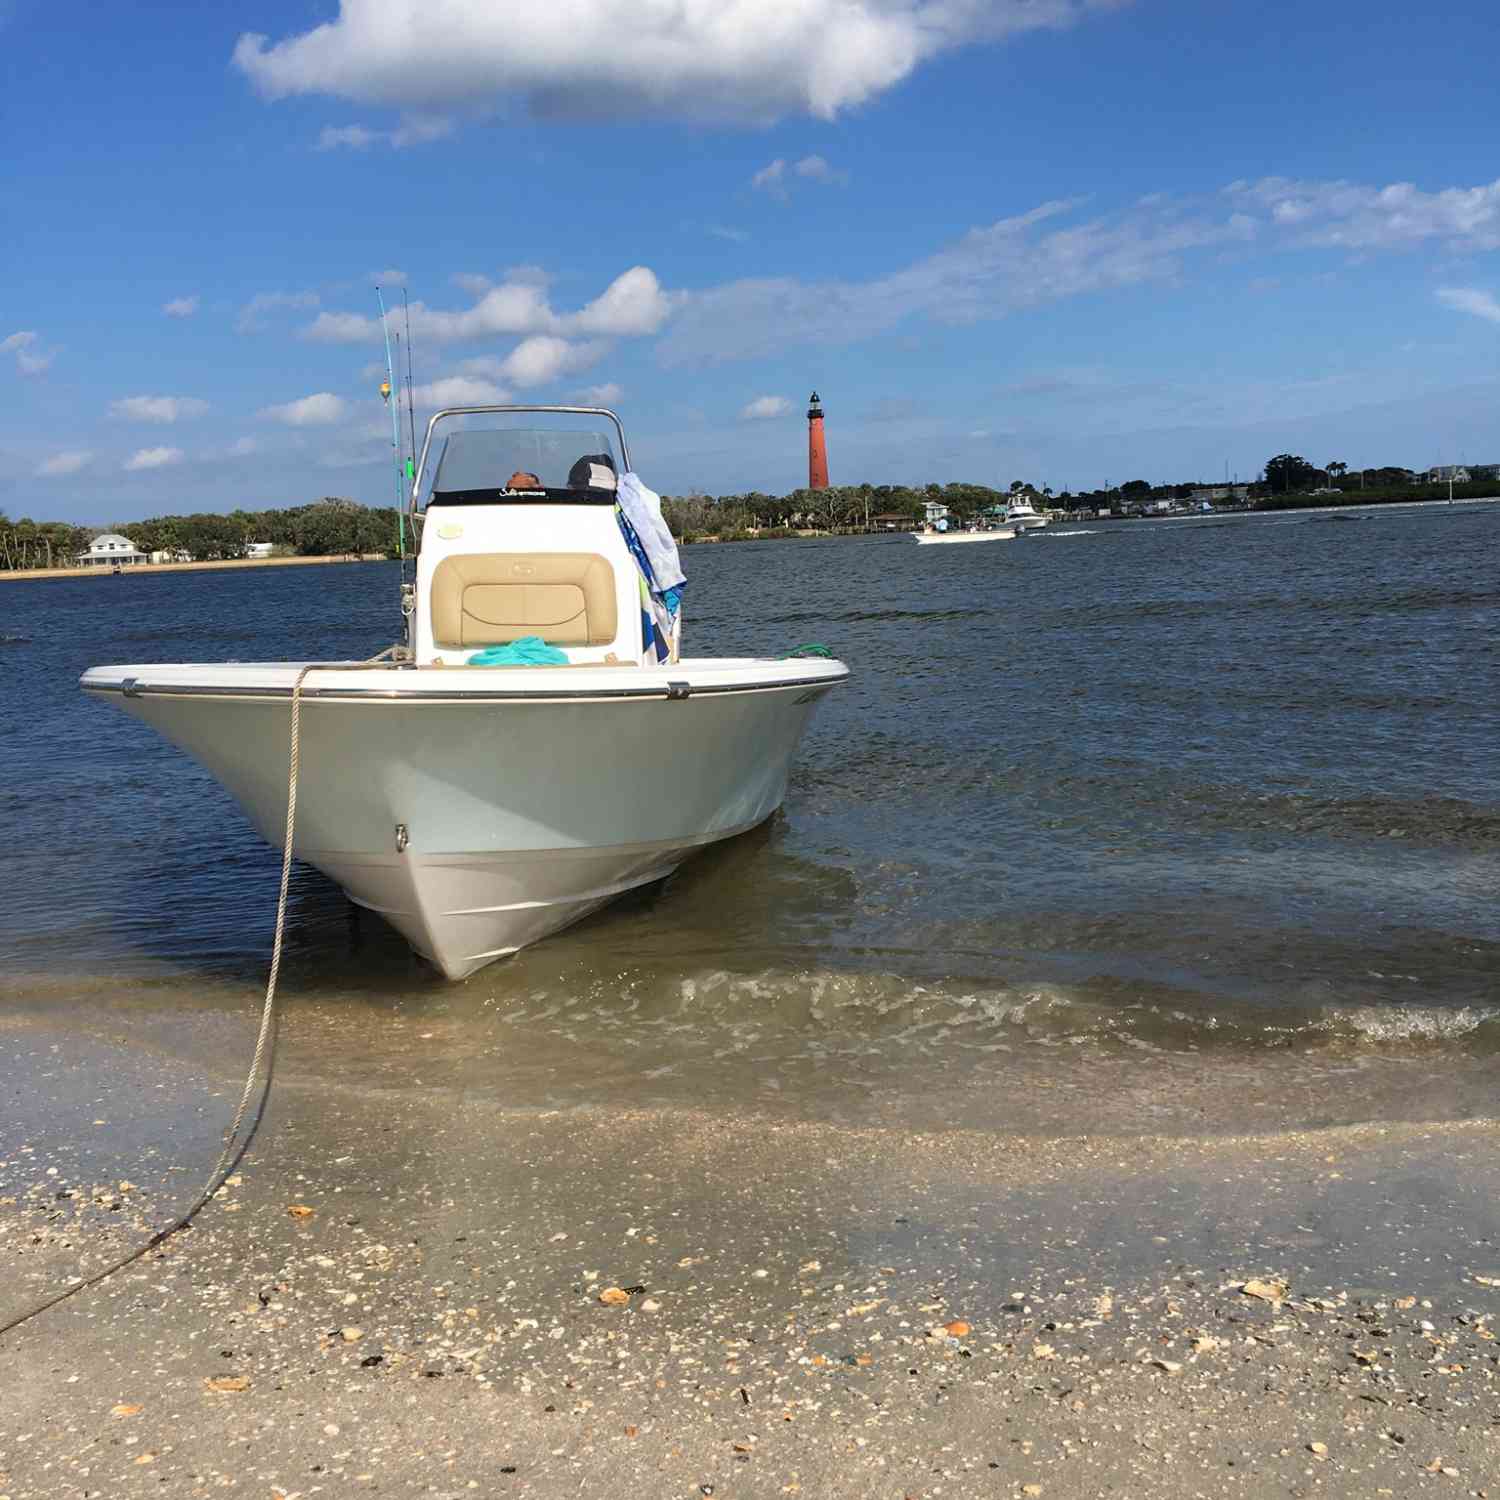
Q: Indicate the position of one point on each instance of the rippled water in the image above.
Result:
(1202, 785)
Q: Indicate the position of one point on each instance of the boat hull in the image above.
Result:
(928, 538)
(477, 815)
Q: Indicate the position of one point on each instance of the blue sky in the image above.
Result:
(1067, 241)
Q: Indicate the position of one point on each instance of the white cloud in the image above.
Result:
(474, 285)
(414, 130)
(29, 358)
(485, 364)
(253, 313)
(63, 463)
(1357, 216)
(745, 61)
(771, 178)
(152, 458)
(1026, 260)
(418, 130)
(817, 169)
(181, 307)
(600, 395)
(763, 408)
(634, 304)
(243, 447)
(165, 409)
(320, 410)
(460, 390)
(388, 278)
(515, 308)
(540, 359)
(727, 232)
(342, 328)
(1473, 300)
(355, 137)
(1049, 255)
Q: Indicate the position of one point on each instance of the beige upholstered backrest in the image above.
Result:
(488, 598)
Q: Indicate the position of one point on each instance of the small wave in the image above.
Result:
(1409, 1023)
(1441, 598)
(835, 1013)
(1033, 535)
(14, 640)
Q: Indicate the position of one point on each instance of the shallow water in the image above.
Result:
(1188, 790)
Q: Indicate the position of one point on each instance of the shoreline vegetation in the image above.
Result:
(339, 530)
(149, 569)
(329, 529)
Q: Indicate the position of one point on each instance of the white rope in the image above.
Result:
(268, 1008)
(234, 1149)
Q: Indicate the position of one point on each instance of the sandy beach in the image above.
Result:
(408, 1286)
(1085, 1086)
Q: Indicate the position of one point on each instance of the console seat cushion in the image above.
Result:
(489, 598)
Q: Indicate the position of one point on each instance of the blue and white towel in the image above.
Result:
(662, 581)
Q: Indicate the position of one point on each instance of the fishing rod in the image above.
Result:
(411, 392)
(385, 394)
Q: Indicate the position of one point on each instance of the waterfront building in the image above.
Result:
(111, 550)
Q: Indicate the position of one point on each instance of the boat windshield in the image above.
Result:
(520, 465)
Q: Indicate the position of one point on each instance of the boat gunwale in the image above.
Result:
(670, 691)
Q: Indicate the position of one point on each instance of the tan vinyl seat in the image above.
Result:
(489, 598)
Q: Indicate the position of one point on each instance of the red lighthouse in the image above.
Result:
(817, 452)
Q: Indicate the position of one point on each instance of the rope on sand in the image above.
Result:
(265, 1041)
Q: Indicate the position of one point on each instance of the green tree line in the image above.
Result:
(333, 527)
(847, 507)
(329, 527)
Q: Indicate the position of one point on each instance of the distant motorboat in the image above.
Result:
(1000, 534)
(1023, 515)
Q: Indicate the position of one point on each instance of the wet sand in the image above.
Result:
(839, 1286)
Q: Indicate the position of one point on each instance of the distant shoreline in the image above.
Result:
(190, 567)
(781, 534)
(766, 534)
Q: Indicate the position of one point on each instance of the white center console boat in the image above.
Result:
(478, 808)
